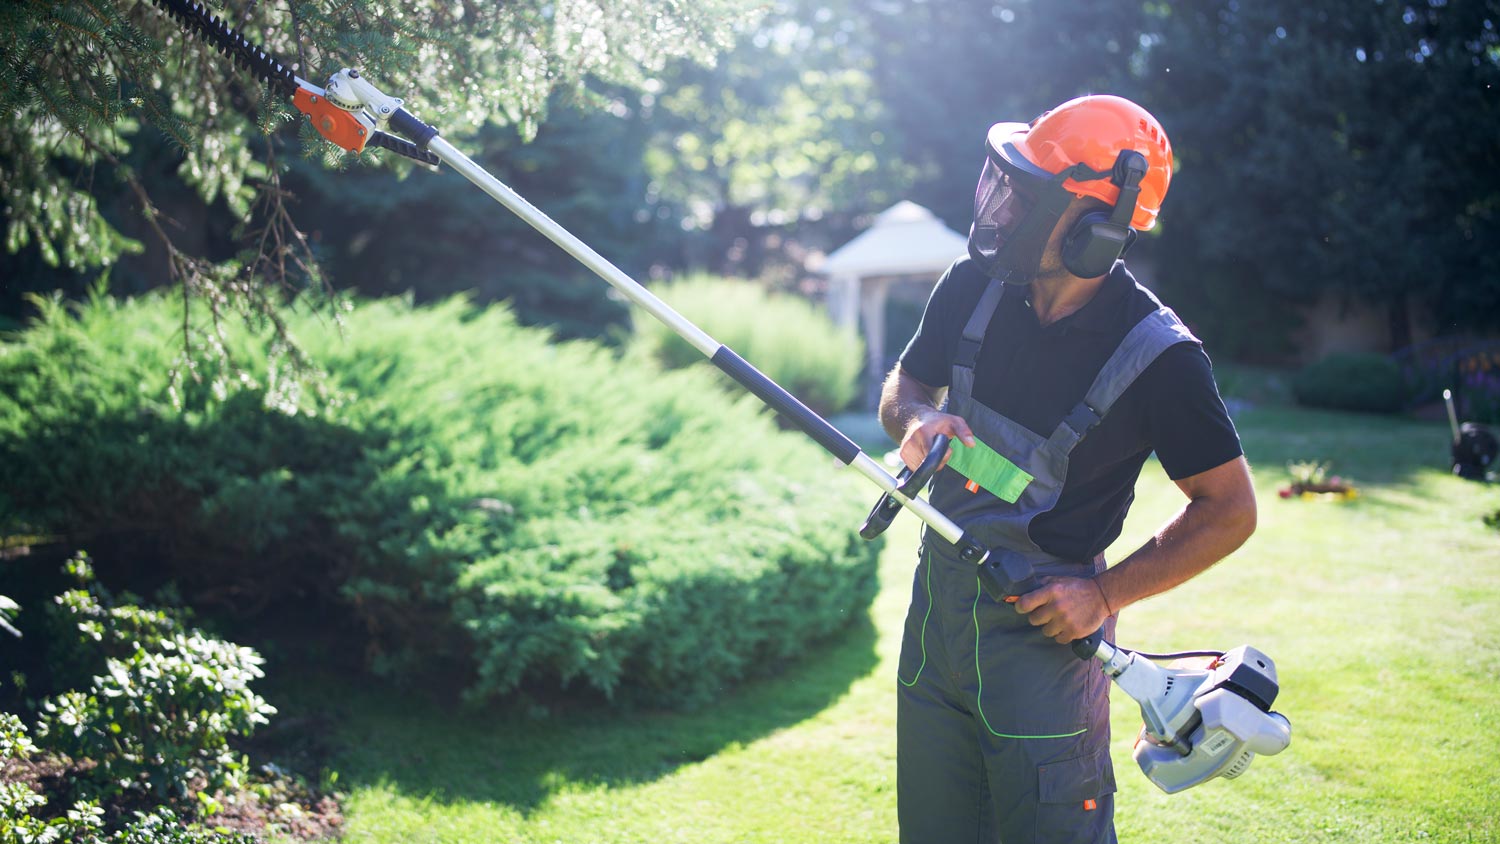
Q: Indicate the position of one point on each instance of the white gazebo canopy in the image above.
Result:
(906, 243)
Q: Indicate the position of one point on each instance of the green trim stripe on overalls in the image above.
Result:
(1002, 733)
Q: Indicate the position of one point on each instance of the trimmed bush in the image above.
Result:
(1369, 383)
(461, 485)
(786, 337)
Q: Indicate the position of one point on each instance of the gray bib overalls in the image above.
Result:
(1002, 733)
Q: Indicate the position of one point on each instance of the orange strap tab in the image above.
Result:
(972, 486)
(332, 122)
(1089, 805)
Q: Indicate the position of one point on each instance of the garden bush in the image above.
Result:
(788, 338)
(161, 702)
(25, 817)
(1369, 383)
(146, 728)
(460, 486)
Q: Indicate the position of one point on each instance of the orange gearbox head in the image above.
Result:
(1093, 131)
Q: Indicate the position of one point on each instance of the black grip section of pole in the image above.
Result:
(1005, 574)
(401, 146)
(786, 404)
(414, 130)
(1086, 647)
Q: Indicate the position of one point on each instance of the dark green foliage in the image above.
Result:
(162, 827)
(462, 488)
(783, 139)
(1326, 152)
(24, 817)
(1369, 383)
(434, 234)
(77, 75)
(1467, 367)
(126, 134)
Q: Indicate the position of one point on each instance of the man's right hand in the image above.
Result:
(918, 440)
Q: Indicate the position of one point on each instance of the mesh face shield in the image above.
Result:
(1016, 207)
(999, 208)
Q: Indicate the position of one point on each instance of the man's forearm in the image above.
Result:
(1203, 532)
(903, 400)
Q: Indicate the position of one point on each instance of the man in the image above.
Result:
(1056, 376)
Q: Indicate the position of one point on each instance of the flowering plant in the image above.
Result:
(1310, 479)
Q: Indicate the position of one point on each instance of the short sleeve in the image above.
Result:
(1185, 418)
(928, 356)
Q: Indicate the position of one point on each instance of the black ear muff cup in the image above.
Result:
(1093, 245)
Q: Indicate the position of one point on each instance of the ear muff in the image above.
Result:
(1094, 243)
(1099, 238)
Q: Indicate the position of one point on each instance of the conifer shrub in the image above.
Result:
(786, 337)
(461, 486)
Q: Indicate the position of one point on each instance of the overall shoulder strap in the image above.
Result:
(1154, 334)
(979, 321)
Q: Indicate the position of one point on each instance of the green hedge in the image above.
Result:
(1369, 383)
(786, 337)
(461, 486)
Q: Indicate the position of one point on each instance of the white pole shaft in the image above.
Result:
(616, 277)
(1452, 415)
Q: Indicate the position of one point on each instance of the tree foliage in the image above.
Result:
(433, 234)
(786, 130)
(1329, 151)
(947, 71)
(82, 82)
(1345, 152)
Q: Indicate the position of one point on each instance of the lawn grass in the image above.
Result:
(1382, 614)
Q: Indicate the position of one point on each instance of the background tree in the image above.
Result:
(948, 71)
(433, 234)
(784, 139)
(1346, 154)
(1328, 153)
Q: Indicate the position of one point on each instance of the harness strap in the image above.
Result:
(973, 336)
(1154, 334)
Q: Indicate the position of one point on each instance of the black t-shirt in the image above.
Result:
(1035, 374)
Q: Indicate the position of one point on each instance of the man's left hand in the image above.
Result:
(1066, 608)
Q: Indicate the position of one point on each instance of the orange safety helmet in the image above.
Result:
(1094, 130)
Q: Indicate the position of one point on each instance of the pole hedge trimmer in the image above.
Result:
(1200, 723)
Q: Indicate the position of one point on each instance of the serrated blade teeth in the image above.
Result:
(195, 17)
